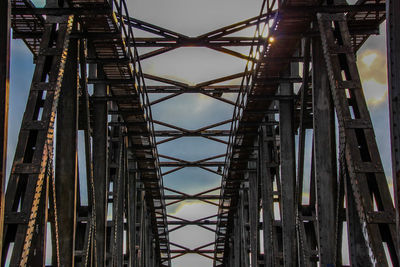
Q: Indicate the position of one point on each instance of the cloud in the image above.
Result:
(192, 180)
(193, 64)
(192, 111)
(193, 236)
(193, 17)
(375, 93)
(373, 66)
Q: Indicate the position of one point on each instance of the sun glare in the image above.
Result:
(271, 39)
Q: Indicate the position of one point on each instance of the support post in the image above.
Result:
(141, 231)
(324, 157)
(118, 207)
(131, 206)
(85, 124)
(288, 173)
(253, 212)
(66, 156)
(393, 43)
(244, 220)
(236, 241)
(100, 167)
(268, 172)
(4, 95)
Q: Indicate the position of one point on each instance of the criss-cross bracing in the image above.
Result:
(288, 173)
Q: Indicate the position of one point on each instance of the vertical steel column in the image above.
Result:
(131, 207)
(288, 173)
(254, 207)
(267, 198)
(116, 158)
(303, 248)
(85, 124)
(4, 91)
(66, 156)
(244, 220)
(141, 231)
(118, 205)
(393, 43)
(236, 241)
(148, 238)
(269, 170)
(100, 167)
(231, 257)
(324, 157)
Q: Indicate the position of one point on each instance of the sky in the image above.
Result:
(192, 111)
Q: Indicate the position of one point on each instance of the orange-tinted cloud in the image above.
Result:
(372, 66)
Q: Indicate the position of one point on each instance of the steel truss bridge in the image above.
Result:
(88, 78)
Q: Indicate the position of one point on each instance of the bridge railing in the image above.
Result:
(122, 15)
(262, 40)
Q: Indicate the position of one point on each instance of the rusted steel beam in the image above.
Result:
(191, 251)
(131, 209)
(67, 157)
(100, 165)
(192, 223)
(101, 9)
(361, 164)
(151, 28)
(194, 42)
(216, 89)
(202, 133)
(156, 52)
(220, 80)
(306, 244)
(254, 210)
(269, 172)
(244, 222)
(184, 197)
(324, 158)
(4, 97)
(334, 8)
(110, 81)
(237, 243)
(84, 234)
(220, 123)
(288, 173)
(29, 180)
(191, 164)
(165, 80)
(393, 44)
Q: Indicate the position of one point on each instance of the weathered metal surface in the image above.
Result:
(324, 158)
(27, 192)
(5, 7)
(288, 171)
(254, 173)
(287, 30)
(66, 172)
(362, 162)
